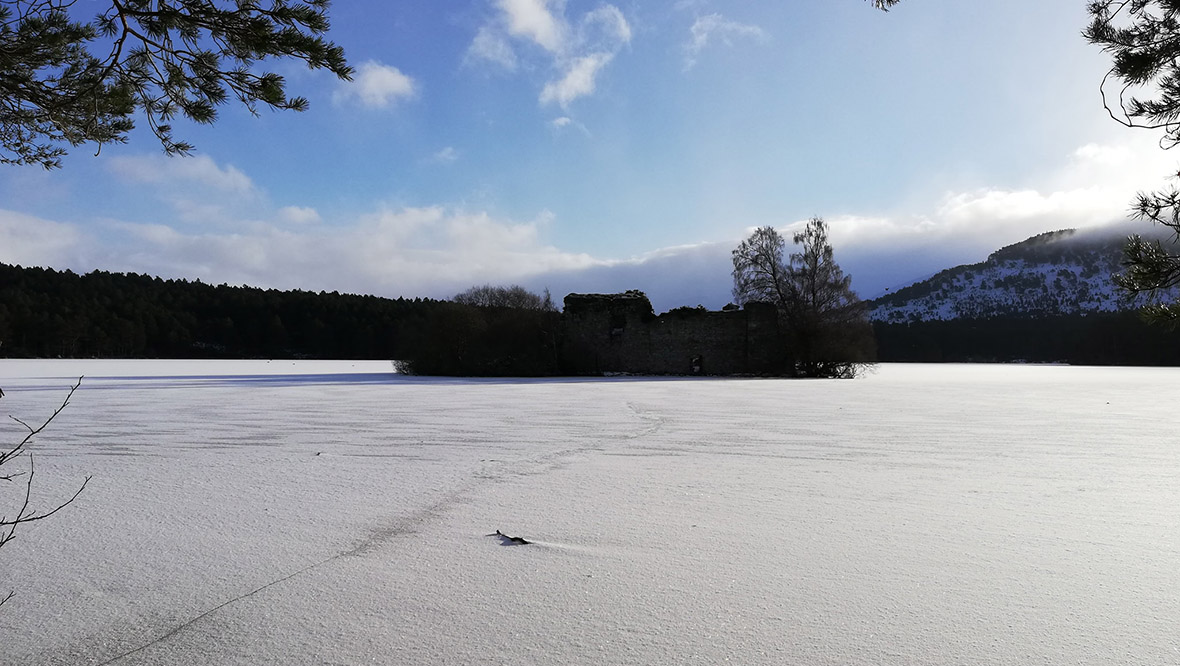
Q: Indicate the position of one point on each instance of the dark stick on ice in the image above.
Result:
(508, 539)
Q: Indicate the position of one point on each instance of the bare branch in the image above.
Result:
(24, 513)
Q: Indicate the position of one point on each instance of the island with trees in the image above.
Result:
(796, 316)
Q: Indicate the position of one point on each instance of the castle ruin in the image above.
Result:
(619, 333)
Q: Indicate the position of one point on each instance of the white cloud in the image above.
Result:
(201, 211)
(578, 80)
(577, 52)
(445, 156)
(31, 241)
(1106, 155)
(199, 169)
(194, 190)
(1094, 187)
(1091, 189)
(563, 123)
(299, 215)
(604, 28)
(714, 27)
(437, 251)
(1135, 164)
(427, 251)
(377, 86)
(491, 46)
(532, 20)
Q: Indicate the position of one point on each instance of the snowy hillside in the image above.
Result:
(1055, 273)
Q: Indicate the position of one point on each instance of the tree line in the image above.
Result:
(1114, 338)
(48, 313)
(484, 331)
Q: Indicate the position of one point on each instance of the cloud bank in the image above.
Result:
(440, 250)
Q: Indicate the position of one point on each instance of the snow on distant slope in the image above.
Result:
(1055, 273)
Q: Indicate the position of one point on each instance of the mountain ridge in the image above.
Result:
(1063, 272)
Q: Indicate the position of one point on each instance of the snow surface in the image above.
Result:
(336, 513)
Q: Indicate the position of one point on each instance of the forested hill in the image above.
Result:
(1046, 299)
(1053, 274)
(48, 313)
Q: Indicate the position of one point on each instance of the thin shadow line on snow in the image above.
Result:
(356, 550)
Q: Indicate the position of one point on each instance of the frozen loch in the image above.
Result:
(336, 513)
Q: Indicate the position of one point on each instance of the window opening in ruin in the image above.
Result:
(617, 324)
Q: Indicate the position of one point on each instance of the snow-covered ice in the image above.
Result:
(337, 513)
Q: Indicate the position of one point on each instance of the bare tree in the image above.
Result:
(827, 329)
(828, 323)
(9, 459)
(759, 269)
(513, 296)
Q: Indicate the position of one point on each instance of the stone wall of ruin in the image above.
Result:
(619, 333)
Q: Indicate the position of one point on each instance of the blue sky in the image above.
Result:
(589, 146)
